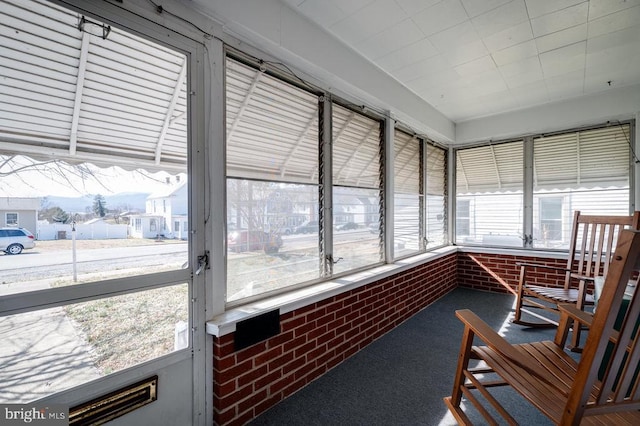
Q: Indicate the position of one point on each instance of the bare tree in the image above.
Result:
(57, 171)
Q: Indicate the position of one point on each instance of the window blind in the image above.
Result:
(584, 159)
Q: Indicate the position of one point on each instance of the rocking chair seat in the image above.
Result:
(542, 389)
(548, 391)
(559, 295)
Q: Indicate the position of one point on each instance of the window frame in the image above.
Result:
(528, 178)
(6, 219)
(325, 180)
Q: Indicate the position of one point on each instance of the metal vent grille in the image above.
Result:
(115, 404)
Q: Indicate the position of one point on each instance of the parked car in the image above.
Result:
(14, 240)
(346, 226)
(245, 240)
(308, 227)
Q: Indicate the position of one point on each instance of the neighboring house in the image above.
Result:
(19, 212)
(166, 215)
(480, 218)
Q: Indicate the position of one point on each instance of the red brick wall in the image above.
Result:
(500, 272)
(318, 337)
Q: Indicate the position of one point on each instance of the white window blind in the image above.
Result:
(584, 170)
(436, 196)
(356, 149)
(272, 127)
(490, 168)
(585, 159)
(407, 196)
(489, 189)
(406, 163)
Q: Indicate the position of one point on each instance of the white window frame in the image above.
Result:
(11, 223)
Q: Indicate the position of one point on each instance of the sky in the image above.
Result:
(65, 182)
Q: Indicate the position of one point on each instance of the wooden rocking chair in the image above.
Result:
(592, 245)
(602, 388)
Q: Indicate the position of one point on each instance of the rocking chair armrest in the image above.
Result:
(584, 318)
(489, 336)
(582, 277)
(541, 265)
(497, 343)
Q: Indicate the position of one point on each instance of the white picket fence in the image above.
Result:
(93, 231)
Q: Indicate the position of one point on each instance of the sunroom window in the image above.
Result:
(586, 170)
(408, 194)
(489, 189)
(436, 228)
(356, 188)
(272, 183)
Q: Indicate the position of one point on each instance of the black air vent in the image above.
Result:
(256, 329)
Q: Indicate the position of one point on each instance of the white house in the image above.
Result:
(166, 214)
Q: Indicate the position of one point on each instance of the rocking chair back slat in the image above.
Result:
(591, 247)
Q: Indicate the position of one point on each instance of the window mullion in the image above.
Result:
(326, 187)
(386, 197)
(422, 190)
(527, 201)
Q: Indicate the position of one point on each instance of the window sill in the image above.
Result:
(226, 323)
(549, 254)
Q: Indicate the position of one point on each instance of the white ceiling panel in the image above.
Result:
(457, 35)
(522, 79)
(325, 14)
(565, 86)
(563, 60)
(510, 37)
(557, 21)
(411, 7)
(378, 15)
(423, 69)
(464, 56)
(562, 38)
(515, 53)
(614, 22)
(599, 8)
(408, 55)
(466, 52)
(501, 18)
(487, 82)
(531, 94)
(525, 66)
(628, 36)
(538, 8)
(392, 39)
(441, 16)
(498, 101)
(437, 80)
(370, 20)
(476, 66)
(478, 7)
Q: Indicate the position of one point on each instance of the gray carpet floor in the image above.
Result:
(401, 378)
